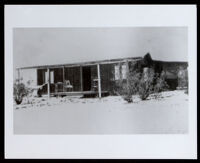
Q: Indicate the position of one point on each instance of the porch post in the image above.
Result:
(48, 82)
(63, 74)
(120, 71)
(63, 77)
(127, 74)
(81, 77)
(99, 80)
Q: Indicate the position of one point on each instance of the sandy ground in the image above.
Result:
(109, 115)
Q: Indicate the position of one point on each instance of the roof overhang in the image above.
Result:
(91, 63)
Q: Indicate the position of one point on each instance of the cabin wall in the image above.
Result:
(114, 76)
(173, 67)
(111, 84)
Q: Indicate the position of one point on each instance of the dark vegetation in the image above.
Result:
(20, 91)
(143, 84)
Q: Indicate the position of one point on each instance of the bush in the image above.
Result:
(127, 95)
(126, 90)
(153, 84)
(19, 92)
(160, 84)
(143, 84)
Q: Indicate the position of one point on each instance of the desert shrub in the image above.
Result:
(153, 84)
(126, 93)
(160, 84)
(146, 84)
(122, 90)
(29, 90)
(143, 84)
(20, 91)
(126, 90)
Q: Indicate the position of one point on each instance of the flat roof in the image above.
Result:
(90, 63)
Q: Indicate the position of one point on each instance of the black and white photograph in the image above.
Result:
(100, 81)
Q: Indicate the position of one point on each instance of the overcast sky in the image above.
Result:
(42, 46)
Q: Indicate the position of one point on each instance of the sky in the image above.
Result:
(44, 46)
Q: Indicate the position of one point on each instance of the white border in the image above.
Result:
(97, 146)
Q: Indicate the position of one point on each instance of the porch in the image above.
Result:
(70, 81)
(87, 78)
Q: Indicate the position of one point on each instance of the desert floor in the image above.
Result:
(109, 115)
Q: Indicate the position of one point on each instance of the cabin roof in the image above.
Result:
(171, 62)
(110, 61)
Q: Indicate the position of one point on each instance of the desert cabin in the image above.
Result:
(95, 78)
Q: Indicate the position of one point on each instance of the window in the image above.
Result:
(46, 77)
(123, 71)
(51, 77)
(117, 72)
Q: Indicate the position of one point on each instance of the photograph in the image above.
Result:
(100, 80)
